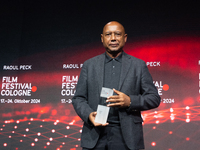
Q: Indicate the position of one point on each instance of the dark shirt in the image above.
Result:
(112, 71)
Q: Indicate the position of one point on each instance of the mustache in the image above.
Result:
(114, 53)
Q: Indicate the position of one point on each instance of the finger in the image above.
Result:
(113, 97)
(114, 105)
(105, 124)
(116, 91)
(113, 100)
(97, 124)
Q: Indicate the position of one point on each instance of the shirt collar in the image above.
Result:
(108, 58)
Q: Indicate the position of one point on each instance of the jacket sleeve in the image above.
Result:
(148, 97)
(80, 99)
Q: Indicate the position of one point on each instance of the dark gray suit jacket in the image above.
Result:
(135, 81)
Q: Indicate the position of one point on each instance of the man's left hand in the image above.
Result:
(120, 100)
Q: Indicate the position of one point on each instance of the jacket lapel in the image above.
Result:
(126, 63)
(100, 71)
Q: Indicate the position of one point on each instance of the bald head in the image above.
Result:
(113, 38)
(111, 23)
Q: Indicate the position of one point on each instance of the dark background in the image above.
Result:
(29, 27)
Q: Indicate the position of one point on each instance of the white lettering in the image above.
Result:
(25, 67)
(16, 93)
(8, 79)
(70, 66)
(69, 79)
(68, 92)
(158, 84)
(153, 64)
(21, 101)
(11, 67)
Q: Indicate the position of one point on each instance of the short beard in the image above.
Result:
(114, 53)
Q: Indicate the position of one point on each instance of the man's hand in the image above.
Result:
(120, 100)
(92, 118)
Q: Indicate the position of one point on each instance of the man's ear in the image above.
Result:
(102, 38)
(125, 37)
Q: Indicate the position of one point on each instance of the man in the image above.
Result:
(134, 91)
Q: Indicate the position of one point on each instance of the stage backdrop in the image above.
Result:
(43, 47)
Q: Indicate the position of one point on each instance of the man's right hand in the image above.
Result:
(92, 118)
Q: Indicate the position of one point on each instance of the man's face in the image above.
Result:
(113, 37)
